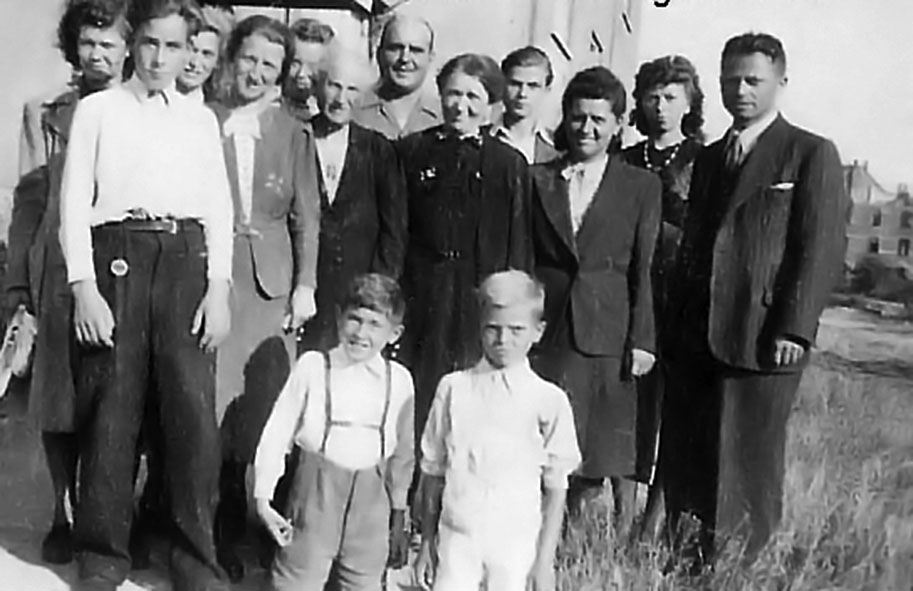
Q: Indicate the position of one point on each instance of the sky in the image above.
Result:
(850, 73)
(850, 67)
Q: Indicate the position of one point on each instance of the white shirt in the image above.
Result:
(331, 155)
(583, 180)
(162, 154)
(748, 137)
(358, 392)
(497, 436)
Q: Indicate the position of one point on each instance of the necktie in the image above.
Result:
(733, 154)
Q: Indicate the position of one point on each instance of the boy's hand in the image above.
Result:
(92, 317)
(399, 540)
(542, 576)
(212, 320)
(426, 565)
(277, 525)
(301, 307)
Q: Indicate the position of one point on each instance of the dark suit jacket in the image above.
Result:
(600, 279)
(772, 246)
(364, 228)
(285, 211)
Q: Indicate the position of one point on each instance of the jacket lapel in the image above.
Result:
(608, 196)
(762, 163)
(555, 201)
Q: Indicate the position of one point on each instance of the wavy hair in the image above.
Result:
(595, 83)
(670, 69)
(100, 14)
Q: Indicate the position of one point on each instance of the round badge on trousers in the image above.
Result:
(119, 267)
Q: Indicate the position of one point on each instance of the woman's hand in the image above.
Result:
(212, 320)
(301, 307)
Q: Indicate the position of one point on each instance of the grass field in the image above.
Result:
(848, 523)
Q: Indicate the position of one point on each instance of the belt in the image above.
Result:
(167, 225)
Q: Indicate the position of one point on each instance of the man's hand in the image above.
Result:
(787, 352)
(212, 320)
(92, 317)
(542, 576)
(277, 525)
(399, 540)
(426, 565)
(301, 307)
(642, 362)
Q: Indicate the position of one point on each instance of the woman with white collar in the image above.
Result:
(271, 165)
(203, 76)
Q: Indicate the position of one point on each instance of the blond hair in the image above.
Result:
(511, 288)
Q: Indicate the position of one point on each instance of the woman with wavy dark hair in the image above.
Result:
(92, 36)
(669, 112)
(204, 75)
(595, 220)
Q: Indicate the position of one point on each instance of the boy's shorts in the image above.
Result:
(502, 559)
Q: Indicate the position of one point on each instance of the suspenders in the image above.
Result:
(329, 422)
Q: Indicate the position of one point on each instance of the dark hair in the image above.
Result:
(526, 57)
(375, 292)
(596, 83)
(749, 43)
(671, 69)
(100, 14)
(311, 30)
(273, 30)
(396, 18)
(478, 66)
(143, 11)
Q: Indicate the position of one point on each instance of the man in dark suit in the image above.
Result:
(362, 195)
(762, 247)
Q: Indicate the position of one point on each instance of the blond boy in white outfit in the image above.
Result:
(496, 453)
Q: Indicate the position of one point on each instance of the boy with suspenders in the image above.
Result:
(350, 412)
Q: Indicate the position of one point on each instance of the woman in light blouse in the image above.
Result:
(271, 165)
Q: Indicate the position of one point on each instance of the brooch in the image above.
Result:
(428, 174)
(273, 181)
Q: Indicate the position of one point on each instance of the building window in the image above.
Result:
(876, 218)
(906, 220)
(873, 245)
(903, 247)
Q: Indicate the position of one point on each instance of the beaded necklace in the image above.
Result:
(653, 167)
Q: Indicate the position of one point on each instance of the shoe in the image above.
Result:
(57, 546)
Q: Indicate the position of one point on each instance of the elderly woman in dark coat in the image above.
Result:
(668, 110)
(92, 36)
(468, 217)
(595, 222)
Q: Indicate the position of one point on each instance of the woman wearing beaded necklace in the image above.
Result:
(668, 111)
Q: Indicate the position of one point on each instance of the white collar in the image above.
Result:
(513, 375)
(748, 136)
(597, 165)
(138, 88)
(377, 365)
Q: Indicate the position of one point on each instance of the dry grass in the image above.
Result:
(848, 522)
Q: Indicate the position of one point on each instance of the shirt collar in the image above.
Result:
(376, 365)
(500, 131)
(426, 101)
(749, 135)
(587, 168)
(513, 375)
(136, 87)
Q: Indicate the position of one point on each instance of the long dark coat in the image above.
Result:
(36, 261)
(762, 248)
(468, 217)
(599, 303)
(362, 230)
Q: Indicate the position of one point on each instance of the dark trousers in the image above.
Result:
(723, 449)
(153, 306)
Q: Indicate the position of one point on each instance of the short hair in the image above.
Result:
(510, 288)
(749, 43)
(100, 14)
(528, 57)
(337, 54)
(481, 67)
(376, 292)
(311, 30)
(398, 18)
(596, 83)
(273, 30)
(143, 11)
(670, 69)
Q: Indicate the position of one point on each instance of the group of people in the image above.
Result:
(282, 280)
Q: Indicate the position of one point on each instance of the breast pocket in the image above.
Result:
(776, 204)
